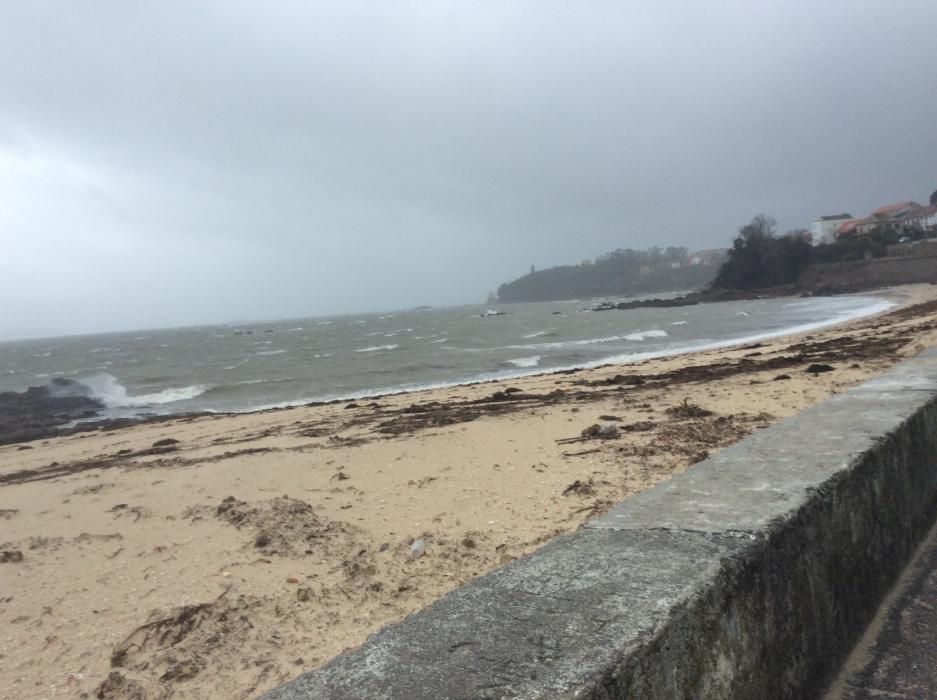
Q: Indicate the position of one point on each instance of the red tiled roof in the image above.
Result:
(919, 213)
(848, 226)
(888, 208)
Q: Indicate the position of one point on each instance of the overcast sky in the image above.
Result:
(167, 163)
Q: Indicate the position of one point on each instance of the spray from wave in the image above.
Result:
(106, 388)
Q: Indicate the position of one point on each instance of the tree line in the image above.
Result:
(760, 258)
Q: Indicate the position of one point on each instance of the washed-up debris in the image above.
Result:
(603, 431)
(580, 488)
(417, 549)
(688, 410)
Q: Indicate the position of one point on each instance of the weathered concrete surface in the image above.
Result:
(749, 576)
(897, 657)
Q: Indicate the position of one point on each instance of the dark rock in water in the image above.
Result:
(38, 411)
(816, 369)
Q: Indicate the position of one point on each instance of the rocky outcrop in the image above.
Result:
(40, 410)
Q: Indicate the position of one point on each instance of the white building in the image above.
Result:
(823, 229)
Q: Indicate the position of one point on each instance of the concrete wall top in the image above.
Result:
(748, 576)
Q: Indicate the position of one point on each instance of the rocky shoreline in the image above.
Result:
(40, 411)
(706, 296)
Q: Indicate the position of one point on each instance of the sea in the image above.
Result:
(252, 366)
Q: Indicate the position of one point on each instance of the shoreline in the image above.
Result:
(287, 535)
(880, 304)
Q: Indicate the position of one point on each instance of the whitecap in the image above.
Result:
(441, 340)
(270, 352)
(678, 323)
(531, 361)
(536, 335)
(642, 335)
(376, 348)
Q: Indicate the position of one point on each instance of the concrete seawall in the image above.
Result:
(749, 576)
(872, 274)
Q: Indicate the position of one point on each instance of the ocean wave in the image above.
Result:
(441, 340)
(377, 348)
(270, 352)
(678, 323)
(531, 361)
(640, 335)
(106, 388)
(643, 335)
(538, 334)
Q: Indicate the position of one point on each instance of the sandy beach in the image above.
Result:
(217, 556)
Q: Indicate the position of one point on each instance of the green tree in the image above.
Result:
(760, 258)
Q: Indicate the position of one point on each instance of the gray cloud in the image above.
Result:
(168, 163)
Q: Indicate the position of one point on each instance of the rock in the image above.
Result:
(417, 549)
(11, 556)
(37, 412)
(292, 579)
(816, 369)
(781, 377)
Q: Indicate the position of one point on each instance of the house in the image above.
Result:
(824, 229)
(900, 218)
(848, 228)
(923, 218)
(893, 212)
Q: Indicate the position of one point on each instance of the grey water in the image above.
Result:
(259, 365)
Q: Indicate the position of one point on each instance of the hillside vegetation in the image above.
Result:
(618, 273)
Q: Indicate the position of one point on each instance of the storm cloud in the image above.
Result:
(177, 162)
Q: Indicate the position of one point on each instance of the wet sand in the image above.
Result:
(218, 556)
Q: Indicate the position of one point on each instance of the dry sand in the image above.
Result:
(256, 546)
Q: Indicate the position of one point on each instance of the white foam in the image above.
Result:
(531, 361)
(441, 340)
(270, 352)
(535, 335)
(377, 348)
(678, 323)
(642, 335)
(106, 388)
(578, 343)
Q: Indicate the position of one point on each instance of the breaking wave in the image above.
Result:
(105, 387)
(531, 361)
(377, 348)
(642, 335)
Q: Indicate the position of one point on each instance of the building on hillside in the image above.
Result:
(848, 228)
(893, 212)
(900, 218)
(924, 218)
(712, 256)
(824, 229)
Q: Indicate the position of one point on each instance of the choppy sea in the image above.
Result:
(260, 365)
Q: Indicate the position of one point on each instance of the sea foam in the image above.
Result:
(108, 389)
